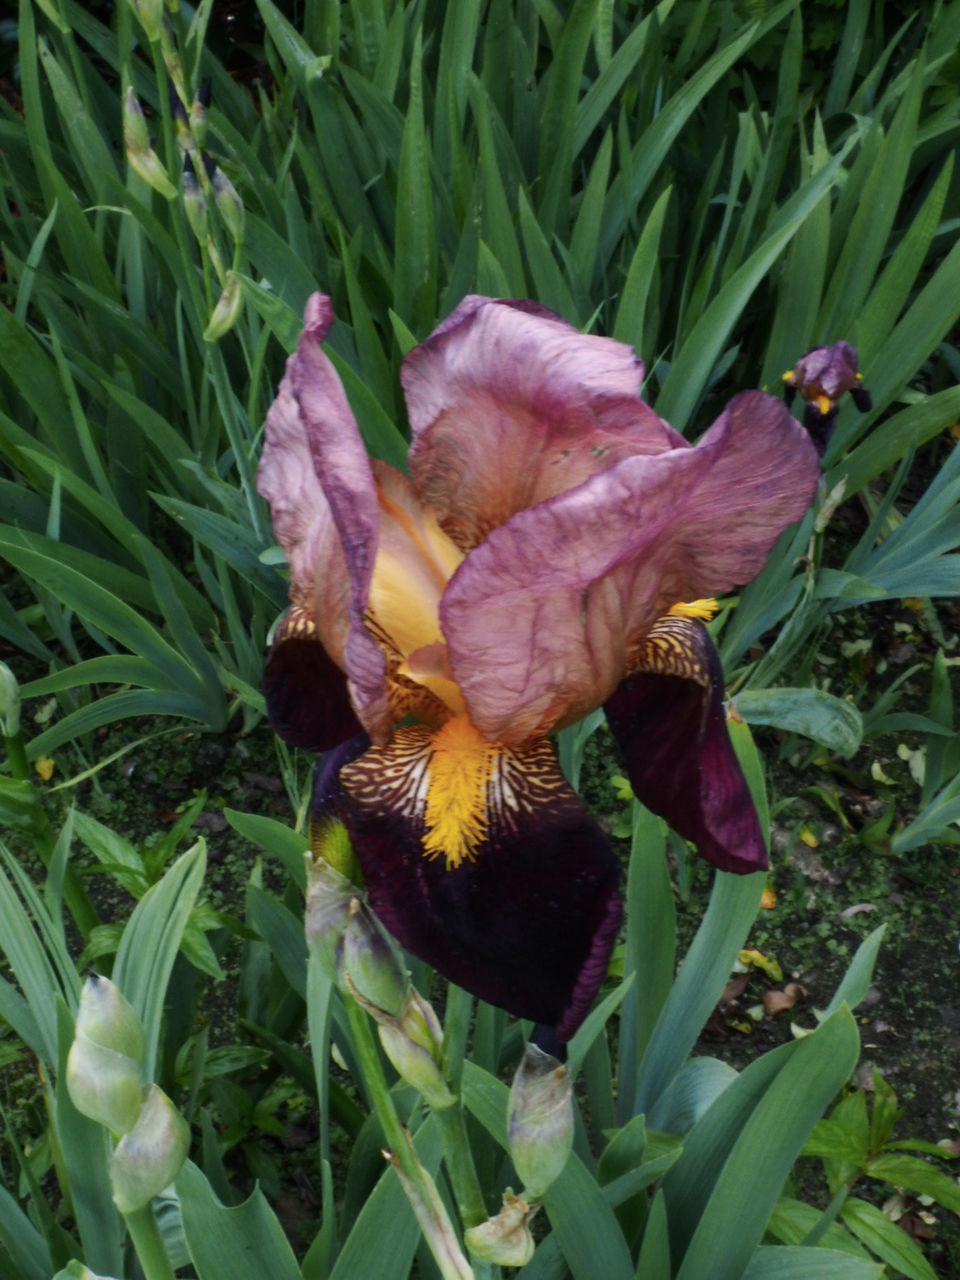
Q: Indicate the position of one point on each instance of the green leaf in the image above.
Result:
(733, 907)
(276, 838)
(792, 1221)
(821, 716)
(886, 1239)
(151, 941)
(654, 1260)
(22, 1241)
(834, 1141)
(916, 1175)
(723, 1188)
(586, 1227)
(782, 1262)
(856, 980)
(415, 260)
(227, 1242)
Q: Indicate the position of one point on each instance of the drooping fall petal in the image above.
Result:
(668, 718)
(510, 405)
(542, 620)
(528, 918)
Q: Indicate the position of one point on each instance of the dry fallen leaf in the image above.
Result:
(775, 1002)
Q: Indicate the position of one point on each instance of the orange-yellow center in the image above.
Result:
(702, 609)
(461, 765)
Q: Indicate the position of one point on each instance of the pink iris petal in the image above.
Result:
(313, 436)
(510, 405)
(541, 620)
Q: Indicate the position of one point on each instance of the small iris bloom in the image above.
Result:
(822, 376)
(539, 561)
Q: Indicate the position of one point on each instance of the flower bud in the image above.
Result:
(199, 110)
(504, 1240)
(227, 311)
(103, 1065)
(194, 205)
(135, 134)
(148, 1158)
(412, 1042)
(150, 13)
(370, 962)
(541, 1120)
(431, 1214)
(9, 702)
(229, 203)
(329, 895)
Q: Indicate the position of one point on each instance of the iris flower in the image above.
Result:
(552, 550)
(822, 376)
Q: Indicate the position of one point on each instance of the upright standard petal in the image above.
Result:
(510, 405)
(668, 718)
(524, 911)
(544, 618)
(338, 460)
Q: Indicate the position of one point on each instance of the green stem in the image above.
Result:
(148, 1243)
(456, 1027)
(460, 1166)
(417, 1183)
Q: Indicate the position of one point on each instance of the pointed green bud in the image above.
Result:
(103, 1065)
(150, 13)
(229, 203)
(412, 1042)
(199, 111)
(370, 963)
(135, 133)
(329, 895)
(194, 205)
(540, 1120)
(227, 311)
(9, 702)
(504, 1240)
(148, 1158)
(150, 168)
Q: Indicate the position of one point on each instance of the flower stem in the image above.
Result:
(460, 1166)
(417, 1183)
(148, 1243)
(17, 757)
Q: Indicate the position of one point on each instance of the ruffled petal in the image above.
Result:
(339, 461)
(543, 619)
(668, 718)
(528, 918)
(308, 703)
(510, 405)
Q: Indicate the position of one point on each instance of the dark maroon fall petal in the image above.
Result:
(306, 692)
(527, 925)
(680, 760)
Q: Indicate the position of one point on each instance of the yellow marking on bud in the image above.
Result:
(824, 404)
(702, 609)
(461, 764)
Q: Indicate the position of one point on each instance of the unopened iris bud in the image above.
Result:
(504, 1240)
(135, 134)
(329, 895)
(150, 13)
(227, 311)
(194, 205)
(370, 963)
(229, 203)
(9, 702)
(199, 111)
(412, 1042)
(148, 1158)
(541, 1120)
(103, 1066)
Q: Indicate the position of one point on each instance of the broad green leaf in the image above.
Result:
(586, 1227)
(694, 1088)
(742, 1181)
(815, 714)
(415, 263)
(916, 1175)
(886, 1239)
(22, 1241)
(282, 932)
(227, 1242)
(733, 906)
(151, 941)
(792, 1221)
(856, 980)
(654, 1260)
(776, 1262)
